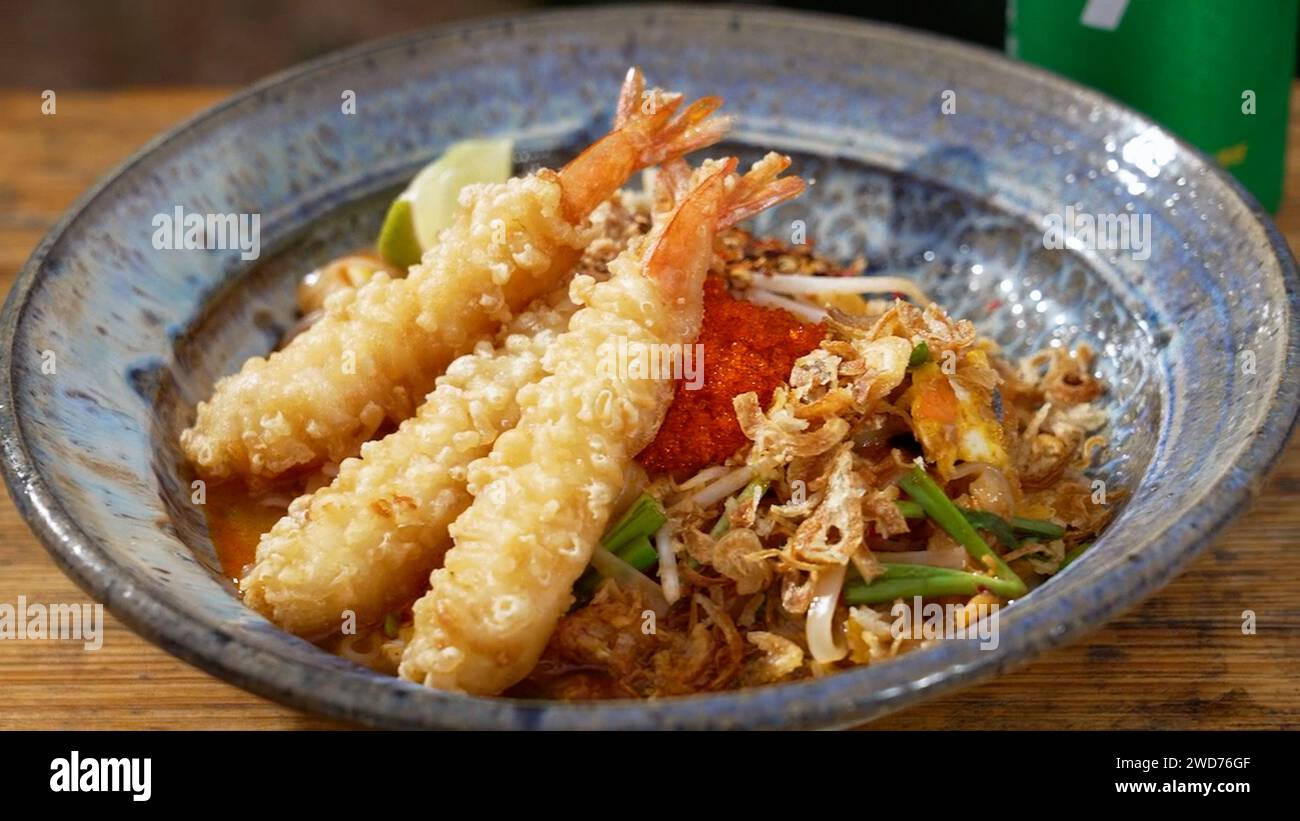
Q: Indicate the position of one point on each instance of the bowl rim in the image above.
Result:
(829, 701)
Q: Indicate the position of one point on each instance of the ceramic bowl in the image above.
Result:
(929, 157)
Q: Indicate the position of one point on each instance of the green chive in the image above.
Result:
(907, 580)
(923, 490)
(390, 625)
(639, 553)
(910, 510)
(993, 523)
(1004, 530)
(920, 355)
(1038, 527)
(1072, 554)
(643, 518)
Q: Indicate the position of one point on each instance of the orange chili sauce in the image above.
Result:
(747, 347)
(237, 518)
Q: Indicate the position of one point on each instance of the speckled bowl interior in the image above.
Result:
(956, 200)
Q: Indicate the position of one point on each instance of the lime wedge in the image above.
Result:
(398, 244)
(430, 202)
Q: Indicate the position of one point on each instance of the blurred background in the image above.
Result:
(105, 43)
(1187, 63)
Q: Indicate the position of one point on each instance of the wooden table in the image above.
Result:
(1174, 662)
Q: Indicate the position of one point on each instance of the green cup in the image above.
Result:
(1215, 72)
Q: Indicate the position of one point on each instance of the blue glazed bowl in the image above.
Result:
(1196, 339)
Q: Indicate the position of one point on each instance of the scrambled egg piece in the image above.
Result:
(954, 418)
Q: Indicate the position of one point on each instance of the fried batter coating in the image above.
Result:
(387, 512)
(377, 350)
(367, 542)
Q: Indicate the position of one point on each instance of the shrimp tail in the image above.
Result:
(714, 196)
(629, 97)
(647, 118)
(692, 129)
(762, 187)
(671, 183)
(678, 254)
(650, 128)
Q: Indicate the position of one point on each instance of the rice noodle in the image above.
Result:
(707, 475)
(722, 488)
(668, 578)
(364, 648)
(954, 559)
(809, 313)
(819, 628)
(990, 490)
(966, 469)
(612, 567)
(869, 284)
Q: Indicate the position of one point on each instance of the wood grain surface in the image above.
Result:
(1178, 661)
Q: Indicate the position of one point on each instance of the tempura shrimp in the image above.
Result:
(365, 543)
(544, 495)
(377, 350)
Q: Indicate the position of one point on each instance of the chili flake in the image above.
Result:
(747, 347)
